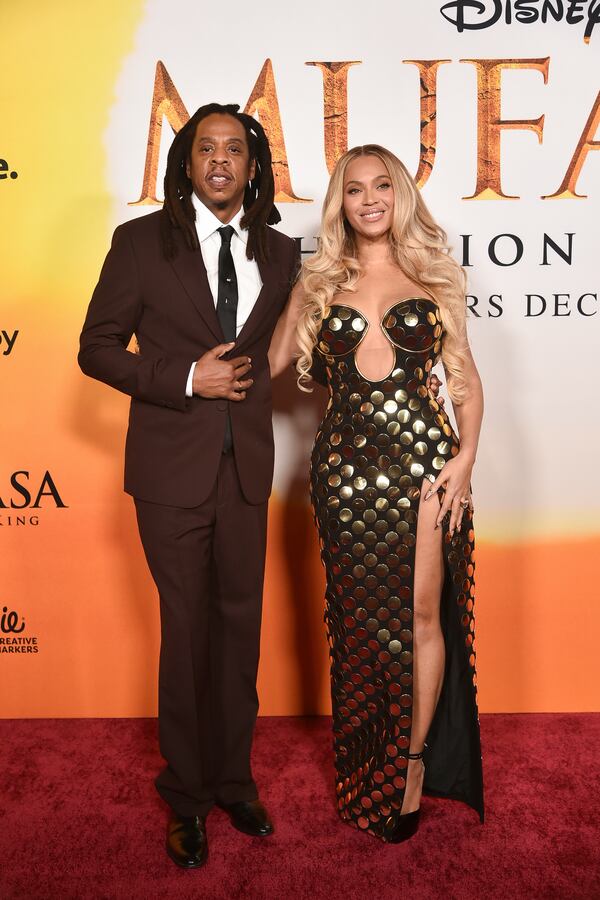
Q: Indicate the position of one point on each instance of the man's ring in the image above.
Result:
(464, 503)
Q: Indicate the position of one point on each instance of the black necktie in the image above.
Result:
(227, 300)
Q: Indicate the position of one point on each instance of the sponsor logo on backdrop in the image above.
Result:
(473, 15)
(23, 492)
(6, 171)
(13, 634)
(8, 339)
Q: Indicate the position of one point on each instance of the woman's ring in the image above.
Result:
(464, 503)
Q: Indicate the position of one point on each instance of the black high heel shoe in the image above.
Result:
(408, 823)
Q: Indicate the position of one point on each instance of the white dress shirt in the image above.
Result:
(248, 277)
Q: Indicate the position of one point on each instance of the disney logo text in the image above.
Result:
(474, 14)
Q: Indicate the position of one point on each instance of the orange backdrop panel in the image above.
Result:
(536, 635)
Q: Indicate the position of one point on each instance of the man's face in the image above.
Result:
(219, 166)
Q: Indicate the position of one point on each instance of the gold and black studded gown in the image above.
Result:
(379, 443)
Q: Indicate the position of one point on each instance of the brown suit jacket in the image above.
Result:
(174, 444)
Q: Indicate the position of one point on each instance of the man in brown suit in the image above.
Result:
(201, 285)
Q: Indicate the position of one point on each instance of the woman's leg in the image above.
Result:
(428, 640)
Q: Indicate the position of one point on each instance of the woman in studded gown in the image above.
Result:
(375, 308)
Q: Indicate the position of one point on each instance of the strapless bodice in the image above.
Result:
(413, 324)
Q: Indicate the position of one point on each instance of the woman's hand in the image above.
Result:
(434, 384)
(455, 477)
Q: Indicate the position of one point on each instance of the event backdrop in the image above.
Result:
(495, 108)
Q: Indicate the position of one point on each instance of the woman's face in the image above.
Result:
(368, 197)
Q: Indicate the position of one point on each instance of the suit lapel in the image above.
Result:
(268, 274)
(191, 272)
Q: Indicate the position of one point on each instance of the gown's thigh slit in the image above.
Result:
(453, 754)
(428, 642)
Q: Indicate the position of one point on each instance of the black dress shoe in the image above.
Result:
(187, 844)
(406, 825)
(249, 816)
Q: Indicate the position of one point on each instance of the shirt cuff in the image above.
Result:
(189, 388)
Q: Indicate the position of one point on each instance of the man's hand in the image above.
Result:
(216, 377)
(433, 383)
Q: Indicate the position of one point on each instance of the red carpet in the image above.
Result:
(79, 819)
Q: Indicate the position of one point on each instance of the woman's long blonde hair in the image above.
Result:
(417, 244)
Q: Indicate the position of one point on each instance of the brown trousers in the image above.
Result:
(208, 565)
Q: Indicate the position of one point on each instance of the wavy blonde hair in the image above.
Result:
(417, 244)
